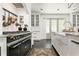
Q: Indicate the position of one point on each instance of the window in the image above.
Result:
(57, 25)
(54, 25)
(61, 25)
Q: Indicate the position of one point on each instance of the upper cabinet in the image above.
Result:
(32, 20)
(74, 9)
(35, 20)
(75, 20)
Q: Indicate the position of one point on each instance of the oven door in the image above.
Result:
(25, 47)
(14, 50)
(20, 49)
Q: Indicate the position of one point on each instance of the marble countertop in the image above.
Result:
(68, 48)
(72, 33)
(67, 33)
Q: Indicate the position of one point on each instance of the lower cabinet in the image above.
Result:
(21, 49)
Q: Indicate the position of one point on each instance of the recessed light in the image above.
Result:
(58, 9)
(74, 9)
(41, 9)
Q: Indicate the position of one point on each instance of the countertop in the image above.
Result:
(67, 48)
(5, 34)
(68, 33)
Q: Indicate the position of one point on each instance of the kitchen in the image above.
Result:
(30, 26)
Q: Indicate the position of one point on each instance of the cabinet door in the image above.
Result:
(32, 20)
(77, 20)
(37, 20)
(74, 20)
(11, 51)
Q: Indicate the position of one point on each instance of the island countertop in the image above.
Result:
(68, 33)
(68, 48)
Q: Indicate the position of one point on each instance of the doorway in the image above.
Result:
(54, 25)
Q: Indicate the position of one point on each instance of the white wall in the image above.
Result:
(11, 8)
(23, 12)
(51, 7)
(19, 12)
(44, 22)
(29, 15)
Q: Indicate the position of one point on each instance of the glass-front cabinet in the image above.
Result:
(76, 20)
(35, 20)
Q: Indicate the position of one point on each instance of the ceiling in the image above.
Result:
(18, 5)
(50, 7)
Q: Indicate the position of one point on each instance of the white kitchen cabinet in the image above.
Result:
(74, 9)
(35, 20)
(75, 20)
(35, 27)
(32, 20)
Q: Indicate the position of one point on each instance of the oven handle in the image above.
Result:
(16, 45)
(19, 44)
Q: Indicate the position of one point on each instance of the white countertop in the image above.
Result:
(68, 33)
(65, 48)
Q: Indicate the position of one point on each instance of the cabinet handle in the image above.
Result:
(35, 37)
(34, 33)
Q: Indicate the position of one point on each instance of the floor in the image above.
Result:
(43, 48)
(45, 43)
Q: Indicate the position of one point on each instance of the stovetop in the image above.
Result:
(14, 32)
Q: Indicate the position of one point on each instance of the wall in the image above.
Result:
(23, 12)
(19, 12)
(28, 21)
(44, 19)
(11, 8)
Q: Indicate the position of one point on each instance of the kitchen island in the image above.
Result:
(66, 43)
(11, 42)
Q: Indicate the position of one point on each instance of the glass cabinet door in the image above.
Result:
(32, 20)
(77, 20)
(74, 20)
(37, 20)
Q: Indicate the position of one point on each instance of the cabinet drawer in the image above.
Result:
(37, 34)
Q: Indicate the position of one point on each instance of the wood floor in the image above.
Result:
(43, 48)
